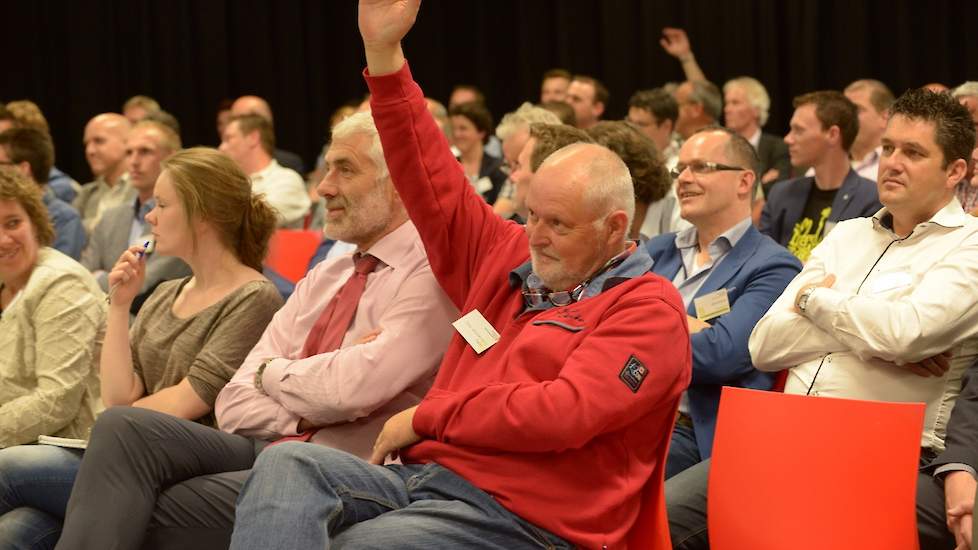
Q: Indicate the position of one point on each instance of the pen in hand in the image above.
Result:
(146, 251)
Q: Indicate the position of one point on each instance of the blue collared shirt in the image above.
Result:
(69, 234)
(691, 277)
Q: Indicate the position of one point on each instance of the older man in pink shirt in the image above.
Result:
(359, 340)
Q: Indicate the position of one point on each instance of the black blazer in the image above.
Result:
(773, 153)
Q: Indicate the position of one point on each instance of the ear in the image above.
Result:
(598, 109)
(617, 224)
(24, 168)
(745, 185)
(834, 134)
(253, 139)
(956, 172)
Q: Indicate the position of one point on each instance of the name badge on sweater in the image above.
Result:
(712, 305)
(476, 331)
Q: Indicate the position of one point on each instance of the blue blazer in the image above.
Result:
(755, 272)
(857, 198)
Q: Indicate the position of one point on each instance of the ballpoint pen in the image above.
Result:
(147, 250)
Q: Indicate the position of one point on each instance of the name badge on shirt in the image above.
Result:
(476, 331)
(712, 305)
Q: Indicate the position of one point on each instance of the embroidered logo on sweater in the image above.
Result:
(633, 374)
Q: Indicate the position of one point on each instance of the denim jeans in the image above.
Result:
(683, 451)
(35, 483)
(302, 495)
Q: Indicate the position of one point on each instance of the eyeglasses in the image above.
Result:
(701, 168)
(7, 163)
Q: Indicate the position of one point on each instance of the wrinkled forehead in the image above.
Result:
(353, 149)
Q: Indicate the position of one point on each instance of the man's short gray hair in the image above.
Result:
(608, 183)
(521, 118)
(363, 123)
(708, 95)
(756, 95)
(967, 89)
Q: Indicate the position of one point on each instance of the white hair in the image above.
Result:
(521, 119)
(363, 123)
(969, 88)
(756, 95)
(608, 182)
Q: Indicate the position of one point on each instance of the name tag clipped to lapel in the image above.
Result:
(712, 305)
(476, 331)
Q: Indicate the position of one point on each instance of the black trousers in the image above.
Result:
(150, 480)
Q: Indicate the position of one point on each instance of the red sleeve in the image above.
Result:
(588, 399)
(457, 227)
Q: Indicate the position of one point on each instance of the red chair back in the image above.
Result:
(289, 252)
(651, 528)
(810, 473)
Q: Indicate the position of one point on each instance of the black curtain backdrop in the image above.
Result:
(77, 59)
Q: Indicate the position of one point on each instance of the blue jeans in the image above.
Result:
(302, 495)
(683, 451)
(35, 483)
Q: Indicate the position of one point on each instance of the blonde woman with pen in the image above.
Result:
(186, 341)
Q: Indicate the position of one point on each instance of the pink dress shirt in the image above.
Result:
(351, 391)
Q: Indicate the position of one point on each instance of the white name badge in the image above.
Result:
(476, 331)
(712, 305)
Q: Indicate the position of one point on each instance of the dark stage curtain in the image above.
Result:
(79, 58)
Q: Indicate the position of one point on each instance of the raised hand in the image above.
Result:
(676, 43)
(383, 23)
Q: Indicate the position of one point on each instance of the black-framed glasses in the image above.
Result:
(702, 168)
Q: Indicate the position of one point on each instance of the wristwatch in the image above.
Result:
(803, 299)
(259, 373)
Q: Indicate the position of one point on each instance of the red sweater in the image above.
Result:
(543, 420)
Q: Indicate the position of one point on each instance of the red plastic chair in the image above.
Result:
(289, 252)
(813, 473)
(651, 528)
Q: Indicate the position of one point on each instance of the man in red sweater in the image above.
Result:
(555, 400)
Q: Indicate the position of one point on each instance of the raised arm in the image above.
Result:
(676, 43)
(457, 227)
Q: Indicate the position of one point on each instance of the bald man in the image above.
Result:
(254, 105)
(105, 151)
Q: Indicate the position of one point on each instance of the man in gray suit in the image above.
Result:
(147, 145)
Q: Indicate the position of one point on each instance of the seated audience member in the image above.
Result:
(967, 95)
(745, 110)
(50, 314)
(553, 85)
(516, 431)
(148, 145)
(105, 151)
(250, 141)
(967, 189)
(721, 255)
(872, 100)
(31, 152)
(798, 213)
(466, 93)
(332, 367)
(138, 107)
(26, 114)
(946, 487)
(222, 117)
(471, 126)
(185, 345)
(254, 105)
(563, 111)
(589, 98)
(514, 131)
(654, 113)
(650, 179)
(884, 308)
(935, 87)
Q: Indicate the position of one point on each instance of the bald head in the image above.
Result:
(597, 173)
(252, 105)
(105, 145)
